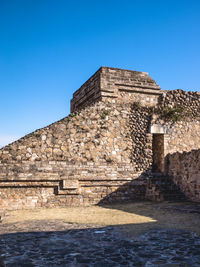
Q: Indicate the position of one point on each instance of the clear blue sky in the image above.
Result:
(48, 48)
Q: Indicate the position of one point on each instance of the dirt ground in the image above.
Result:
(133, 219)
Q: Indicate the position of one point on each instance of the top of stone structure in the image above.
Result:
(109, 83)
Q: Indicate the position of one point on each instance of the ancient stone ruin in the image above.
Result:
(125, 140)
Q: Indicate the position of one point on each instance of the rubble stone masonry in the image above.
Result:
(184, 169)
(104, 150)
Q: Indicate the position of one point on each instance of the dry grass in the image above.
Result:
(91, 215)
(133, 218)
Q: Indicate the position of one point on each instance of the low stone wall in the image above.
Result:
(48, 184)
(184, 169)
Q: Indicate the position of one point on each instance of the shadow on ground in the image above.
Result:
(100, 246)
(158, 235)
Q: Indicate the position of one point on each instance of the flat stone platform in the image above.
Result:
(57, 243)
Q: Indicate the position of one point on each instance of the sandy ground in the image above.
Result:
(132, 219)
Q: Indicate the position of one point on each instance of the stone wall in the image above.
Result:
(104, 150)
(184, 169)
(88, 93)
(82, 159)
(180, 115)
(181, 98)
(48, 184)
(141, 154)
(99, 133)
(117, 85)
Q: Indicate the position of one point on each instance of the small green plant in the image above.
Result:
(73, 115)
(172, 114)
(104, 114)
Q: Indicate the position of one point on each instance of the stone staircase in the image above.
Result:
(162, 188)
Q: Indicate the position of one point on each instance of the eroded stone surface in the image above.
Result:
(184, 168)
(56, 243)
(105, 146)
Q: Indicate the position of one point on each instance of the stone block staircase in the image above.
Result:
(162, 188)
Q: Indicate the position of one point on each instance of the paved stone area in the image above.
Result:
(57, 243)
(186, 208)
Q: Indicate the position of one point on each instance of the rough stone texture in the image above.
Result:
(98, 134)
(141, 154)
(60, 183)
(183, 133)
(184, 169)
(181, 98)
(63, 244)
(162, 188)
(117, 85)
(103, 150)
(91, 150)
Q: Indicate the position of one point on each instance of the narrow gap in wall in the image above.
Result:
(158, 153)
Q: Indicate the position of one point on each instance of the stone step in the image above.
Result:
(67, 192)
(164, 189)
(33, 176)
